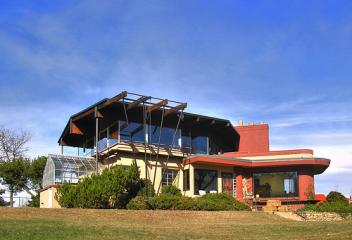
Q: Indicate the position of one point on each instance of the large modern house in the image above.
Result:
(196, 153)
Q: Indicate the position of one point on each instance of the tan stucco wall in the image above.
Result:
(174, 163)
(126, 159)
(47, 198)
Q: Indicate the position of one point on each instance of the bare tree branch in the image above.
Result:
(13, 144)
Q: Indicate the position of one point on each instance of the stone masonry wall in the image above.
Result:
(320, 216)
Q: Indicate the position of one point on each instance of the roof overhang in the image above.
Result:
(80, 128)
(318, 165)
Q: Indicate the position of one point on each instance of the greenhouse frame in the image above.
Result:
(63, 168)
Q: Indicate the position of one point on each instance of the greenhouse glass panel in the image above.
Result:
(63, 168)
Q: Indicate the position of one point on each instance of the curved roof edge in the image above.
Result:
(319, 164)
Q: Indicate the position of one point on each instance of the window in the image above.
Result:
(186, 180)
(199, 144)
(169, 176)
(279, 184)
(168, 136)
(186, 142)
(213, 148)
(205, 180)
(131, 132)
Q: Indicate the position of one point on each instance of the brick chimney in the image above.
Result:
(254, 138)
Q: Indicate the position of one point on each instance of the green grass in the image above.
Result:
(124, 224)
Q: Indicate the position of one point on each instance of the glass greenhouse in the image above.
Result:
(62, 168)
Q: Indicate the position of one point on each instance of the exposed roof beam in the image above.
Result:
(114, 99)
(175, 109)
(83, 115)
(97, 114)
(100, 106)
(157, 105)
(137, 102)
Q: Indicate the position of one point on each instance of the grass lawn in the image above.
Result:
(124, 224)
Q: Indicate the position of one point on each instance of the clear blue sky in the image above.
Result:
(287, 63)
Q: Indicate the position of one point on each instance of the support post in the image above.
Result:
(96, 144)
(62, 147)
(97, 116)
(145, 148)
(107, 137)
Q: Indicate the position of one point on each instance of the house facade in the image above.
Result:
(196, 153)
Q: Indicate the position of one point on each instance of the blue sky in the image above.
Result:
(287, 63)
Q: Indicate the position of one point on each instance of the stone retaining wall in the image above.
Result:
(320, 216)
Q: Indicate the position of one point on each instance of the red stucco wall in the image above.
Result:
(305, 182)
(253, 138)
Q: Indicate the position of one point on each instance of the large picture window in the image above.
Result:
(279, 184)
(205, 180)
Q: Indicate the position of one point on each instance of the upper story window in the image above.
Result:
(199, 145)
(152, 135)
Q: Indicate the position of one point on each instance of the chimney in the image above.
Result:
(254, 138)
(240, 123)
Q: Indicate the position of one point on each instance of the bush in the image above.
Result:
(146, 188)
(171, 190)
(334, 197)
(113, 188)
(164, 202)
(35, 201)
(337, 207)
(336, 202)
(220, 202)
(209, 202)
(139, 203)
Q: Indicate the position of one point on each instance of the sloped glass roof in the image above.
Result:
(64, 168)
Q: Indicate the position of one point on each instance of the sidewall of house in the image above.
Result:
(47, 198)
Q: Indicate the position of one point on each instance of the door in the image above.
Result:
(227, 183)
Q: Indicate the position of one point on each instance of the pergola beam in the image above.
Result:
(156, 106)
(114, 99)
(175, 109)
(91, 111)
(137, 102)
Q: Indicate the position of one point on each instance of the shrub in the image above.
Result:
(146, 188)
(164, 201)
(35, 201)
(209, 202)
(220, 202)
(334, 197)
(66, 195)
(113, 188)
(139, 203)
(171, 190)
(186, 203)
(336, 202)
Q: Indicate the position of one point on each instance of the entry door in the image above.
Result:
(227, 183)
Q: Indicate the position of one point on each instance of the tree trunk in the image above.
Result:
(11, 198)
